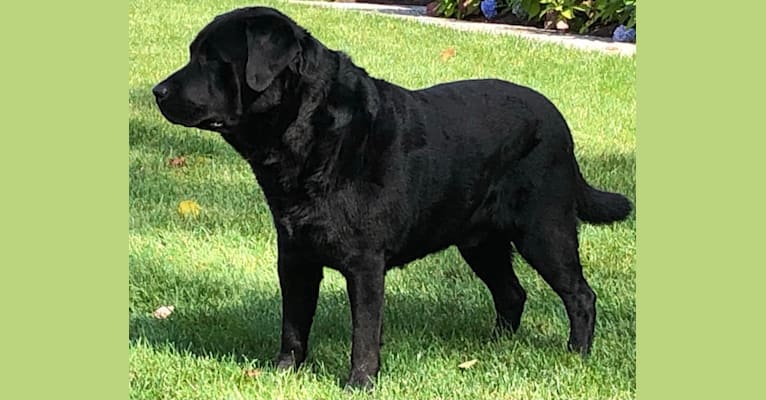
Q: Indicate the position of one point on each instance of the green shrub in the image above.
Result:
(622, 12)
(459, 9)
(582, 14)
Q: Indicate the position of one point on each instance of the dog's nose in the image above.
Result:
(160, 91)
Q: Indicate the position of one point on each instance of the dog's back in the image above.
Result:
(482, 151)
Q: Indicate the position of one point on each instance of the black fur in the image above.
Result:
(362, 175)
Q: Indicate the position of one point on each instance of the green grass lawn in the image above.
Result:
(219, 269)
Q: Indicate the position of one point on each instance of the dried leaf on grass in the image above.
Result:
(189, 208)
(163, 312)
(179, 161)
(447, 53)
(252, 372)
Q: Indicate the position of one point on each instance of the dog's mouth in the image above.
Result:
(193, 116)
(211, 123)
(217, 124)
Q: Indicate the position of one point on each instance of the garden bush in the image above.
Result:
(582, 16)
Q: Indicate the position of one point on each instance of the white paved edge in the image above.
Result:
(418, 13)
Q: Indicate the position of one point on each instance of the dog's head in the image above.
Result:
(233, 61)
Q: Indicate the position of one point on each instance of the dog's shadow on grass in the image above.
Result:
(246, 329)
(249, 333)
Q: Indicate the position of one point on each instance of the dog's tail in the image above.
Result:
(600, 207)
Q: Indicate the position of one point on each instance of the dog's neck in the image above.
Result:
(317, 129)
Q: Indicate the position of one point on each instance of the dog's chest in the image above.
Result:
(326, 229)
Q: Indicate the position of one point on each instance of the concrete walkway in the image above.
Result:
(418, 13)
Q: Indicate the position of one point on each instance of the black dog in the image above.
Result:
(362, 175)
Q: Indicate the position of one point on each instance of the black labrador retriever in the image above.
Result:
(362, 175)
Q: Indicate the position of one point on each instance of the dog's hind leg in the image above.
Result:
(550, 244)
(491, 261)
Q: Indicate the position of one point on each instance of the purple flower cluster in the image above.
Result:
(488, 8)
(624, 34)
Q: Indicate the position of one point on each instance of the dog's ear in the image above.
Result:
(271, 46)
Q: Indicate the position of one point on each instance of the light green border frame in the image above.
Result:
(63, 285)
(699, 176)
(64, 201)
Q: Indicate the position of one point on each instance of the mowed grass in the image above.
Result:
(218, 269)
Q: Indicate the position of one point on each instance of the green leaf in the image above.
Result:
(632, 21)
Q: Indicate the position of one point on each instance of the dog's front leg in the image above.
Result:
(299, 280)
(365, 278)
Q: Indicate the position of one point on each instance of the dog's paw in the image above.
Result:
(359, 381)
(286, 361)
(583, 349)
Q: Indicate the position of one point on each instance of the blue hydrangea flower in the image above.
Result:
(623, 34)
(488, 8)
